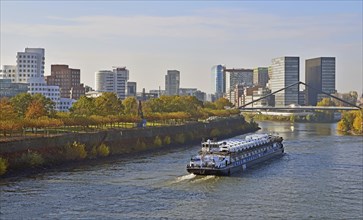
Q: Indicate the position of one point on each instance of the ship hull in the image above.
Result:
(236, 166)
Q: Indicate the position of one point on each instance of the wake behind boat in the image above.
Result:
(232, 155)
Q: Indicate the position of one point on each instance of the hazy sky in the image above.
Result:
(151, 37)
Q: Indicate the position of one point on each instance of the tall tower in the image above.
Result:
(172, 82)
(218, 80)
(260, 76)
(284, 72)
(319, 74)
(112, 81)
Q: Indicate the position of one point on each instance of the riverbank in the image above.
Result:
(46, 152)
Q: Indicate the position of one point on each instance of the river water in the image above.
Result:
(319, 177)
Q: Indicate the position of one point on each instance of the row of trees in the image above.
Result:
(26, 112)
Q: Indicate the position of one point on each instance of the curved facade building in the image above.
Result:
(104, 81)
(112, 81)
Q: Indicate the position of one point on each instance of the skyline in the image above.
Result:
(150, 38)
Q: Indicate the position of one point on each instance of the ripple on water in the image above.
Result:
(319, 177)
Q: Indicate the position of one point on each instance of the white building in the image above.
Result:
(30, 70)
(112, 81)
(65, 104)
(285, 72)
(9, 72)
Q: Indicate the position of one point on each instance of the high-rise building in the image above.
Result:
(121, 78)
(68, 80)
(30, 71)
(172, 82)
(234, 77)
(285, 72)
(131, 89)
(319, 74)
(30, 64)
(104, 81)
(218, 81)
(113, 81)
(260, 76)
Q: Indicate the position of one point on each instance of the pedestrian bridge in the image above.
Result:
(300, 108)
(297, 108)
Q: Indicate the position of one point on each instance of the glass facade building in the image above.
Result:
(218, 80)
(260, 76)
(319, 74)
(284, 72)
(172, 82)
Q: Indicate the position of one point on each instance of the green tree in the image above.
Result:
(108, 104)
(222, 102)
(21, 102)
(84, 106)
(131, 106)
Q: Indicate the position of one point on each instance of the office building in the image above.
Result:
(112, 81)
(235, 77)
(30, 65)
(285, 72)
(319, 74)
(9, 72)
(131, 89)
(68, 80)
(172, 82)
(9, 89)
(218, 80)
(260, 76)
(187, 91)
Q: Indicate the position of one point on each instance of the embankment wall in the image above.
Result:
(128, 140)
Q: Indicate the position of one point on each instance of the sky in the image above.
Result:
(151, 37)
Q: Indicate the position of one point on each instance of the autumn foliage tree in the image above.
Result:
(9, 121)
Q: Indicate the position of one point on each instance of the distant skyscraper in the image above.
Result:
(68, 80)
(131, 89)
(218, 81)
(260, 76)
(235, 77)
(121, 78)
(284, 72)
(172, 82)
(320, 74)
(113, 81)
